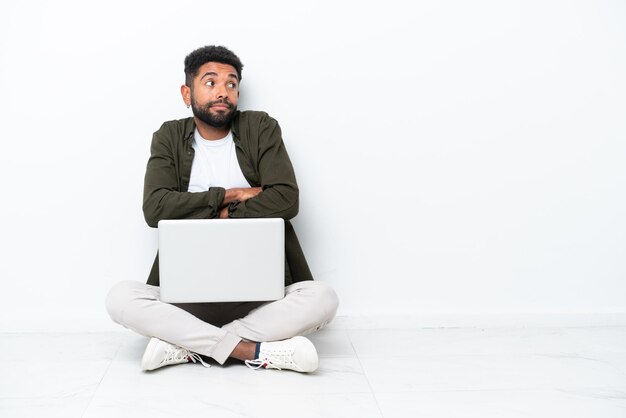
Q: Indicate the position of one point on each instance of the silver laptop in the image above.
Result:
(221, 260)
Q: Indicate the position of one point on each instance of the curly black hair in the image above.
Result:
(210, 53)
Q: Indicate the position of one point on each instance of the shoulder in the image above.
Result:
(177, 129)
(253, 118)
(251, 124)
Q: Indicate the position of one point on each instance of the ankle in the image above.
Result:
(245, 350)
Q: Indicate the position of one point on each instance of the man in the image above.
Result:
(223, 163)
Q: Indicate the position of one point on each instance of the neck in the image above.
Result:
(209, 132)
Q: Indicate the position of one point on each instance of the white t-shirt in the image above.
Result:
(215, 164)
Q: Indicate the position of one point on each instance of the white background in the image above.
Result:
(453, 157)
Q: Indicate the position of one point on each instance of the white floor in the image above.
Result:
(448, 372)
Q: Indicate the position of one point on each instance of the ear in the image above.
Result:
(185, 91)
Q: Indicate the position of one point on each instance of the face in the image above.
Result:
(214, 95)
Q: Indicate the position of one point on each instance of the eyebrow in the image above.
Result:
(214, 74)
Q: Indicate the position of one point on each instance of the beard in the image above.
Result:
(216, 120)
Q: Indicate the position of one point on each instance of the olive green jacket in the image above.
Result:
(264, 162)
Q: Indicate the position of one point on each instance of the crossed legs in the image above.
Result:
(306, 307)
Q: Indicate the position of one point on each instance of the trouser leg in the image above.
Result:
(137, 306)
(306, 307)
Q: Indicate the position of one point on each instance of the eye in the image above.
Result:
(232, 85)
(210, 83)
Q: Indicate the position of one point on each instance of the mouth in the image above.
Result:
(220, 106)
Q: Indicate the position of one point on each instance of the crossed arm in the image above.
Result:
(274, 196)
(237, 195)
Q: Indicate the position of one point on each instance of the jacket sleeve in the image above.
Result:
(279, 198)
(162, 198)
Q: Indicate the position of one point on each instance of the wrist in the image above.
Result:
(230, 196)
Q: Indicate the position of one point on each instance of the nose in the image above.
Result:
(220, 91)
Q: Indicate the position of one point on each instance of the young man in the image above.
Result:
(223, 163)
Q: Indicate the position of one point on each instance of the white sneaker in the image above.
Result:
(297, 353)
(160, 353)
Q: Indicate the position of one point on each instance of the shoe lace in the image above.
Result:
(194, 357)
(266, 362)
(178, 355)
(272, 361)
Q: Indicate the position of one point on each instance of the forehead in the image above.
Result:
(217, 68)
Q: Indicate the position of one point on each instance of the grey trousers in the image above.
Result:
(306, 307)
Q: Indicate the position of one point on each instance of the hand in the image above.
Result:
(237, 195)
(223, 213)
(240, 194)
(247, 193)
